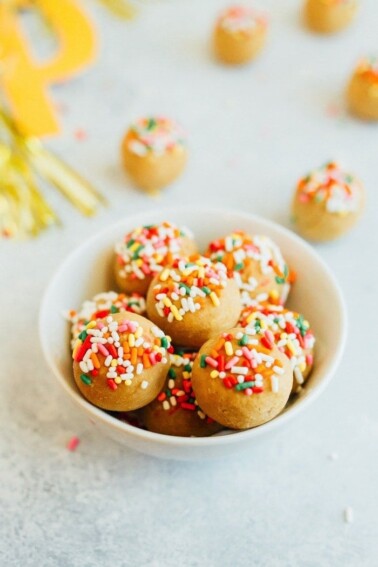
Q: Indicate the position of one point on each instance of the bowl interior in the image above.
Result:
(88, 270)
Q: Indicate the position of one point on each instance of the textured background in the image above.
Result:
(252, 132)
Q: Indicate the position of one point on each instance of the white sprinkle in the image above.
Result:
(240, 379)
(83, 366)
(171, 384)
(298, 375)
(144, 384)
(166, 405)
(139, 368)
(173, 401)
(348, 515)
(278, 370)
(275, 384)
(239, 370)
(108, 360)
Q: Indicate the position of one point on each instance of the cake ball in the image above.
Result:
(329, 16)
(255, 263)
(154, 152)
(102, 305)
(239, 35)
(193, 300)
(241, 379)
(176, 411)
(327, 203)
(144, 252)
(292, 335)
(120, 362)
(362, 91)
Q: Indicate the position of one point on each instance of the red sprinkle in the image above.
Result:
(73, 443)
(112, 385)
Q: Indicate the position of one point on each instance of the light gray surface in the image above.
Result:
(252, 132)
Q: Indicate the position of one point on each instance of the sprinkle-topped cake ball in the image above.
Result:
(193, 300)
(363, 90)
(327, 203)
(256, 264)
(154, 152)
(329, 16)
(175, 411)
(145, 251)
(241, 379)
(102, 305)
(120, 362)
(292, 335)
(239, 35)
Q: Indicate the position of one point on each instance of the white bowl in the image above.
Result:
(88, 271)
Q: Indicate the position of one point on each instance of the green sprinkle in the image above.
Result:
(172, 373)
(203, 361)
(84, 378)
(239, 266)
(130, 243)
(169, 393)
(257, 325)
(114, 309)
(206, 290)
(187, 368)
(164, 342)
(301, 325)
(244, 340)
(148, 226)
(279, 280)
(286, 270)
(83, 335)
(151, 124)
(186, 287)
(244, 386)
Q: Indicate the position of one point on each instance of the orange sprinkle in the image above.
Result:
(146, 361)
(95, 360)
(134, 355)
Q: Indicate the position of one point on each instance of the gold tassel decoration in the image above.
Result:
(23, 160)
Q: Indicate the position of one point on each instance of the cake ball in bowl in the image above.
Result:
(239, 35)
(120, 362)
(193, 299)
(175, 411)
(327, 203)
(255, 263)
(143, 253)
(242, 380)
(154, 152)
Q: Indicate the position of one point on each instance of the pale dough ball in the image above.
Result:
(327, 203)
(102, 305)
(255, 263)
(239, 35)
(120, 362)
(362, 93)
(193, 300)
(292, 334)
(175, 411)
(154, 152)
(329, 16)
(144, 252)
(242, 380)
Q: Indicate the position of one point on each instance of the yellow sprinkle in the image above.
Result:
(138, 333)
(113, 363)
(128, 382)
(214, 298)
(251, 317)
(263, 324)
(76, 348)
(228, 348)
(91, 324)
(186, 374)
(290, 346)
(158, 258)
(274, 294)
(214, 374)
(131, 340)
(164, 275)
(117, 380)
(302, 367)
(176, 313)
(139, 262)
(201, 272)
(167, 302)
(134, 246)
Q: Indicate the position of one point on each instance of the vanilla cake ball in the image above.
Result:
(329, 16)
(362, 93)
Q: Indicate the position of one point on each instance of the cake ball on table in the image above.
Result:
(327, 203)
(144, 252)
(362, 93)
(239, 35)
(175, 411)
(292, 335)
(120, 362)
(242, 380)
(255, 263)
(329, 16)
(102, 305)
(191, 300)
(154, 152)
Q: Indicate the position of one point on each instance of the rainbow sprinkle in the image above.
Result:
(292, 334)
(339, 191)
(244, 362)
(147, 249)
(238, 251)
(156, 135)
(102, 305)
(123, 348)
(240, 19)
(187, 285)
(178, 393)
